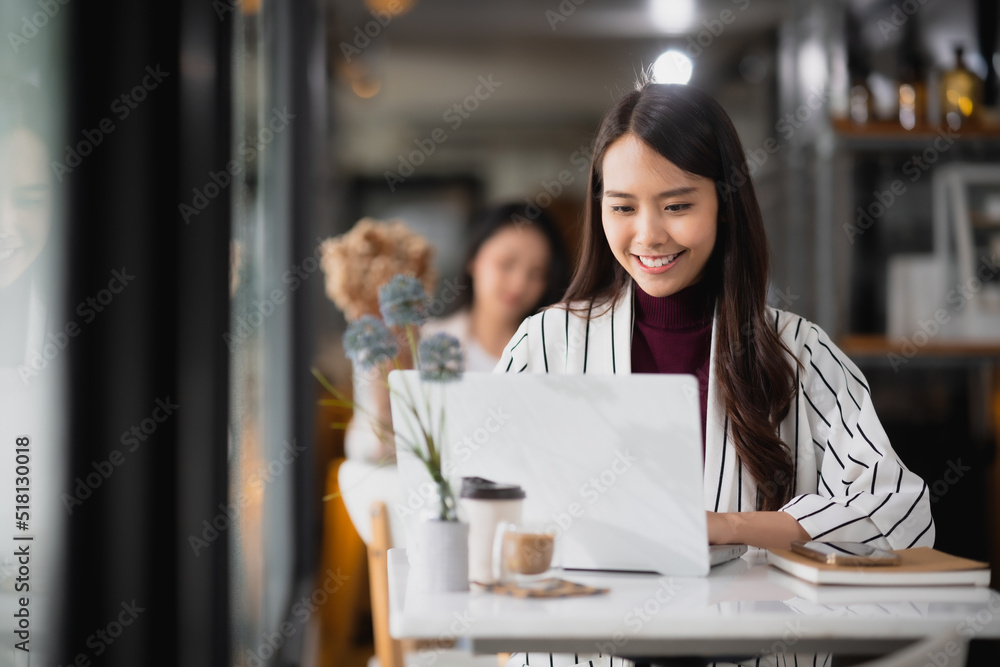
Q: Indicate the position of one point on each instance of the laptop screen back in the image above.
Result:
(615, 462)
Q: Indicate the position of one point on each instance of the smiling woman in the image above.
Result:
(663, 238)
(25, 222)
(672, 278)
(26, 196)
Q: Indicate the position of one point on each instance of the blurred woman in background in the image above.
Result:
(516, 263)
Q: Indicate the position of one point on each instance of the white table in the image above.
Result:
(742, 608)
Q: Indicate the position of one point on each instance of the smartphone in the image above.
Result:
(845, 553)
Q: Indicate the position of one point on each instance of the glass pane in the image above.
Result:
(34, 332)
(261, 451)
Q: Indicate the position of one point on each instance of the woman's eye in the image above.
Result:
(677, 208)
(29, 197)
(621, 209)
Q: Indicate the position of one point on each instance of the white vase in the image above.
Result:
(439, 558)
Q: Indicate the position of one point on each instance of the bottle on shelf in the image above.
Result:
(861, 103)
(961, 94)
(912, 87)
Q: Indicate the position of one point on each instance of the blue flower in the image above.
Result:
(368, 342)
(441, 358)
(403, 301)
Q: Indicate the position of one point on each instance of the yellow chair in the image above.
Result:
(342, 550)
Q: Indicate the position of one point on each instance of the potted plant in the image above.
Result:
(439, 558)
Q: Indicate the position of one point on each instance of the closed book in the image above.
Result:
(887, 596)
(922, 566)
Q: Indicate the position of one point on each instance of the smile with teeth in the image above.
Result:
(656, 262)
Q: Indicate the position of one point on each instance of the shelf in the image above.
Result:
(878, 134)
(874, 345)
(882, 129)
(982, 221)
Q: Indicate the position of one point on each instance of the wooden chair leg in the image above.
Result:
(388, 650)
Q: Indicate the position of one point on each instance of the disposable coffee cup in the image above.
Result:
(486, 504)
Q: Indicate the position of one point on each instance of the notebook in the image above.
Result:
(920, 566)
(613, 461)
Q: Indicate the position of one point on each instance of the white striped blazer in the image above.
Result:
(849, 484)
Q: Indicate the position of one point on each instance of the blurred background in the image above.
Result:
(169, 172)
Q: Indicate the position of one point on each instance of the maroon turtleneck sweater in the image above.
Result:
(673, 334)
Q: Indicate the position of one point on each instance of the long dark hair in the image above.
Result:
(752, 365)
(522, 216)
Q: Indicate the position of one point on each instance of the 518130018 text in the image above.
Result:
(22, 546)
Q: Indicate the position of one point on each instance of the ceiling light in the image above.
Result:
(672, 67)
(672, 16)
(366, 87)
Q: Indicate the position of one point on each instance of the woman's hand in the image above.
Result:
(768, 530)
(719, 529)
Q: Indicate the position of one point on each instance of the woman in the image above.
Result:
(672, 278)
(515, 264)
(26, 220)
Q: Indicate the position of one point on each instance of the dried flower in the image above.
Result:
(441, 358)
(368, 342)
(403, 301)
(358, 262)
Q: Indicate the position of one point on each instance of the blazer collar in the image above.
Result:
(623, 323)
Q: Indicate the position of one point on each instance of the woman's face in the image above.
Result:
(510, 270)
(659, 220)
(25, 203)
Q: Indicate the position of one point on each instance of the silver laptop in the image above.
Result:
(615, 462)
